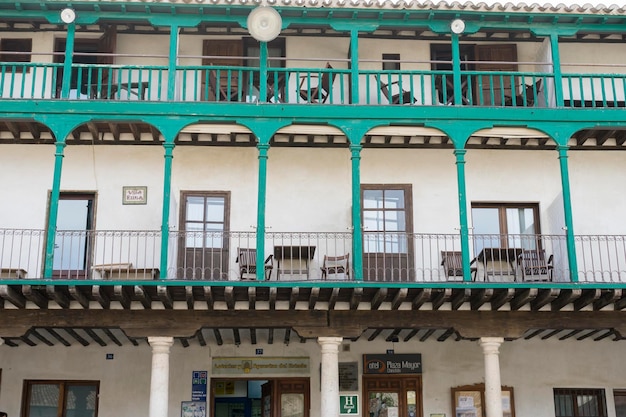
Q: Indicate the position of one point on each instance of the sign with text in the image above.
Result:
(135, 195)
(261, 366)
(401, 363)
(198, 385)
(348, 376)
(348, 404)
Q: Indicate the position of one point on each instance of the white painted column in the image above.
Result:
(330, 376)
(493, 386)
(159, 382)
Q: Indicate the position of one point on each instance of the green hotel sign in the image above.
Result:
(349, 404)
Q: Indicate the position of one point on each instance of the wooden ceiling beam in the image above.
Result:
(15, 298)
(313, 297)
(77, 294)
(378, 298)
(111, 336)
(32, 294)
(142, 295)
(55, 293)
(120, 293)
(399, 298)
(97, 292)
(165, 295)
(251, 298)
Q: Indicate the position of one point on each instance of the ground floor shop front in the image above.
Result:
(321, 377)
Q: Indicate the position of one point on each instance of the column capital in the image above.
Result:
(330, 341)
(161, 343)
(491, 344)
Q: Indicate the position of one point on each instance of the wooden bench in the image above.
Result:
(452, 262)
(123, 271)
(18, 273)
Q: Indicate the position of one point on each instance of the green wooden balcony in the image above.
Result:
(313, 86)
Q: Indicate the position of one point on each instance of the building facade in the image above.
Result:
(311, 209)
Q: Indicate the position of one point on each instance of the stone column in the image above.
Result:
(159, 382)
(330, 376)
(493, 386)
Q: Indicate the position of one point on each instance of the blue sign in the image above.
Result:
(198, 385)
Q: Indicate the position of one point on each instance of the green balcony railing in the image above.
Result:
(315, 86)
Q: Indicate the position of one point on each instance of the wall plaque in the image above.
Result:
(348, 376)
(135, 195)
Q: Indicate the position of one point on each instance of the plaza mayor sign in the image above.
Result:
(406, 363)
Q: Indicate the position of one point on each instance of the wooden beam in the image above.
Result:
(15, 298)
(480, 297)
(120, 293)
(399, 298)
(142, 295)
(422, 295)
(165, 295)
(55, 293)
(97, 292)
(293, 297)
(459, 296)
(355, 299)
(208, 297)
(251, 298)
(189, 299)
(313, 297)
(33, 295)
(332, 300)
(77, 293)
(378, 298)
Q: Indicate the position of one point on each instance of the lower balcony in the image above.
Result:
(312, 256)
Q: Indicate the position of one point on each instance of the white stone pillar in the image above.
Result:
(493, 386)
(159, 382)
(330, 376)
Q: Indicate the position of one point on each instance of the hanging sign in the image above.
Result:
(402, 363)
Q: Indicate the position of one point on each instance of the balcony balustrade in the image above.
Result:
(315, 86)
(300, 256)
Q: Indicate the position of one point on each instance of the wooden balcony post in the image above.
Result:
(168, 155)
(67, 63)
(464, 231)
(567, 213)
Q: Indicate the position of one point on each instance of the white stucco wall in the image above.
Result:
(532, 367)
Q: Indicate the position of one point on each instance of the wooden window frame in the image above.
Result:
(62, 383)
(502, 219)
(599, 393)
(619, 393)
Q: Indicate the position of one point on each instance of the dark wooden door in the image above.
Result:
(204, 238)
(386, 396)
(292, 397)
(494, 90)
(222, 53)
(387, 232)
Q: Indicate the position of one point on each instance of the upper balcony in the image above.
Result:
(323, 56)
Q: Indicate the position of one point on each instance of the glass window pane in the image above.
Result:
(80, 401)
(411, 403)
(383, 404)
(195, 208)
(395, 222)
(485, 221)
(373, 220)
(194, 235)
(394, 199)
(292, 405)
(44, 400)
(215, 209)
(372, 199)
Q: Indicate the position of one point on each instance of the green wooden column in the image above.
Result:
(67, 63)
(171, 70)
(263, 72)
(61, 129)
(558, 75)
(463, 220)
(168, 157)
(567, 213)
(357, 230)
(260, 220)
(354, 65)
(263, 130)
(456, 68)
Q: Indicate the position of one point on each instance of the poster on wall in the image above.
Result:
(193, 409)
(198, 385)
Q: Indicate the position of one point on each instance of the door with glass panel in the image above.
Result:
(204, 240)
(61, 398)
(505, 226)
(73, 239)
(386, 396)
(387, 232)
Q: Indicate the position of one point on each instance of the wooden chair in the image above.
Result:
(247, 263)
(532, 92)
(336, 265)
(452, 262)
(534, 265)
(320, 92)
(395, 95)
(219, 86)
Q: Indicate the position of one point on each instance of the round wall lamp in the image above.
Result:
(68, 15)
(264, 23)
(457, 26)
